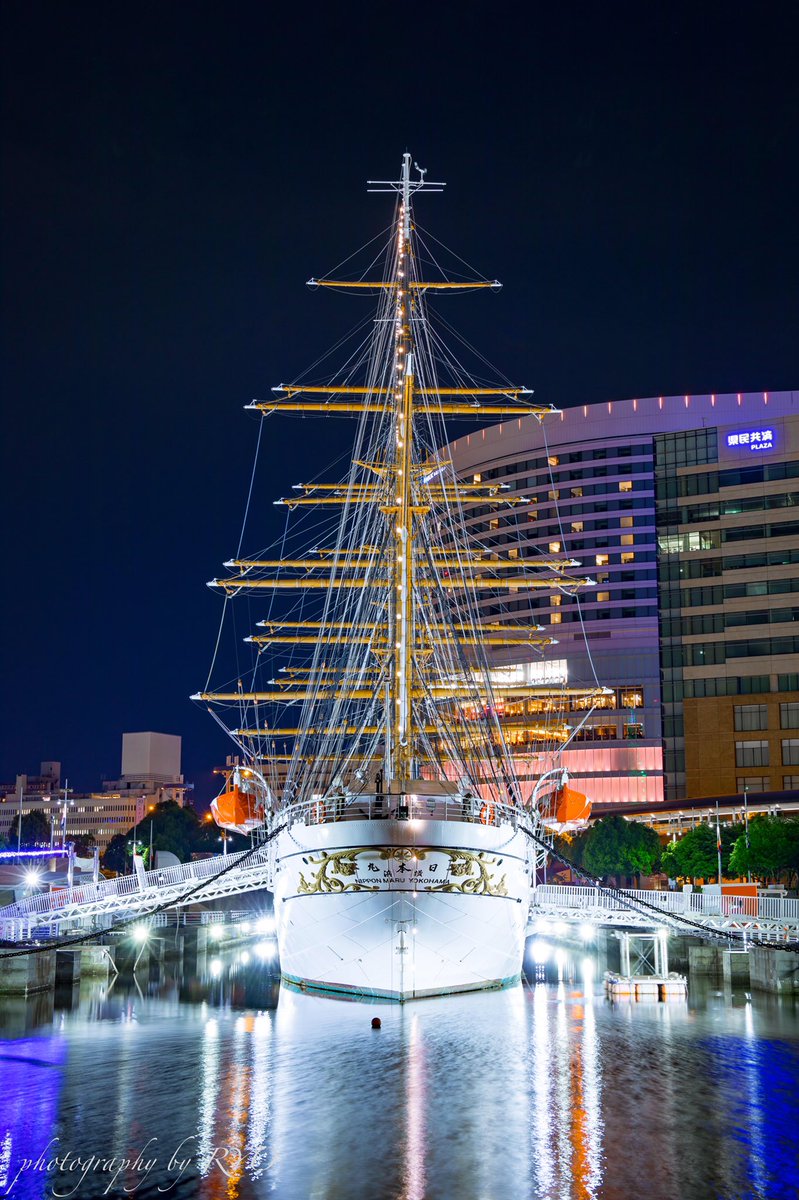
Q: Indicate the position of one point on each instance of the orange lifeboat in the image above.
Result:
(571, 806)
(237, 810)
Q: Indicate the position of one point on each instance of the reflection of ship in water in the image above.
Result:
(532, 1092)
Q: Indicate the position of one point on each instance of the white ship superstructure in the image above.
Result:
(367, 723)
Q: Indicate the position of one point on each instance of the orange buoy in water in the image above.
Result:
(376, 1023)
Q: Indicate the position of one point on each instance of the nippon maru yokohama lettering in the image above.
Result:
(371, 868)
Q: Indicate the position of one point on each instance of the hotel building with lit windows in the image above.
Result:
(683, 509)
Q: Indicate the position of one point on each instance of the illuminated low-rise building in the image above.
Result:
(150, 775)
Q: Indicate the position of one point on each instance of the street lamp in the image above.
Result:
(746, 832)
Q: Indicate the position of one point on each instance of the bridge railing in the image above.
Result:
(699, 904)
(124, 885)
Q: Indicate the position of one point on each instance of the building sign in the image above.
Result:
(751, 439)
(538, 673)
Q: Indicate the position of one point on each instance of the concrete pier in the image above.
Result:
(735, 967)
(775, 971)
(68, 965)
(96, 960)
(132, 956)
(195, 948)
(26, 973)
(705, 960)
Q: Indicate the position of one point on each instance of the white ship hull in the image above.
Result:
(401, 909)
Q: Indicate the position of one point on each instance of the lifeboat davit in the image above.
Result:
(238, 810)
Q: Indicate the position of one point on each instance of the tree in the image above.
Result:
(617, 847)
(35, 830)
(695, 855)
(116, 853)
(169, 827)
(84, 845)
(773, 851)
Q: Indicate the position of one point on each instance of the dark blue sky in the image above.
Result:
(173, 173)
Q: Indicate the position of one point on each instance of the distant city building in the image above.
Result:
(150, 774)
(683, 509)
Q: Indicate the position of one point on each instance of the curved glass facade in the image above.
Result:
(683, 510)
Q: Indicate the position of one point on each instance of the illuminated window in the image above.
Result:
(494, 523)
(554, 495)
(513, 553)
(628, 556)
(602, 577)
(577, 526)
(602, 560)
(556, 618)
(602, 597)
(633, 729)
(626, 539)
(626, 485)
(556, 599)
(553, 460)
(554, 547)
(477, 478)
(626, 522)
(576, 491)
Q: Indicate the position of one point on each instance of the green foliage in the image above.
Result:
(84, 845)
(116, 854)
(773, 851)
(35, 830)
(617, 847)
(169, 827)
(695, 855)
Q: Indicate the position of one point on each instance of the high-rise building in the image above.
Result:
(683, 510)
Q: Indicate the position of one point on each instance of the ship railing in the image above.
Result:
(407, 807)
(700, 904)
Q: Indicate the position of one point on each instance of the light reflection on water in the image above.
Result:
(546, 1091)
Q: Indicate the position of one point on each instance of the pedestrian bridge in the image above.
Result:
(141, 895)
(763, 918)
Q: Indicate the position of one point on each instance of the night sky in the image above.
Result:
(174, 172)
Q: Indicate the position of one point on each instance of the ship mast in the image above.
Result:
(396, 640)
(399, 740)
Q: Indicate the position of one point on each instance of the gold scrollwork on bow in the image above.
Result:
(468, 867)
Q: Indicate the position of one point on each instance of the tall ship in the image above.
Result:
(371, 762)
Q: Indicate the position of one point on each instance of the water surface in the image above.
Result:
(225, 1086)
